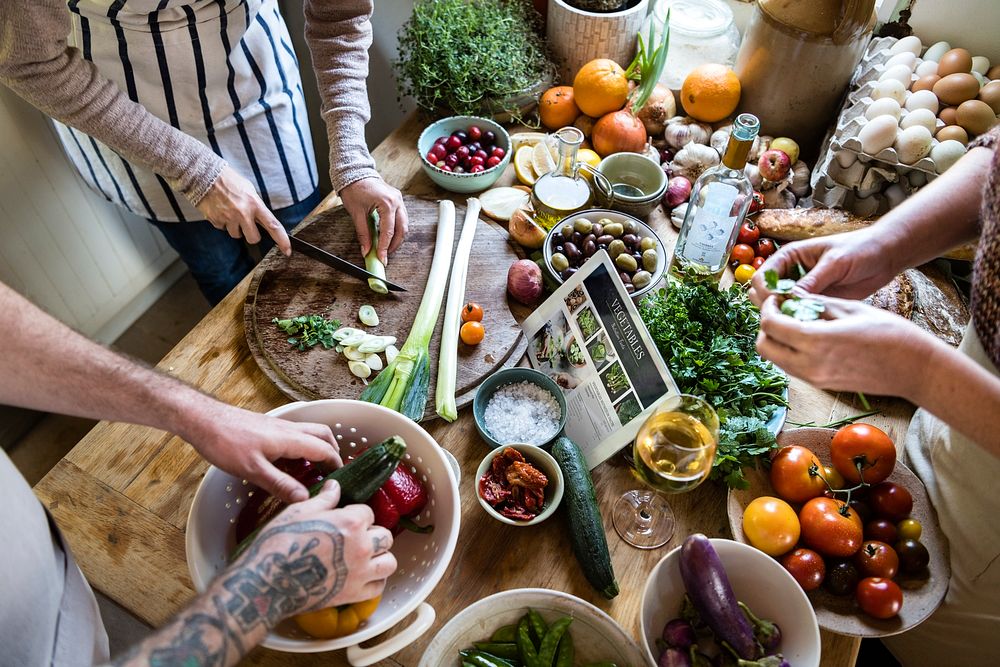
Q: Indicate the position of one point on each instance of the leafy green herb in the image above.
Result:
(306, 331)
(471, 57)
(708, 339)
(804, 309)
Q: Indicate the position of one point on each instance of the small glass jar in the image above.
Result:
(701, 31)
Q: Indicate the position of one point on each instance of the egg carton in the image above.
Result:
(873, 60)
(846, 138)
(859, 107)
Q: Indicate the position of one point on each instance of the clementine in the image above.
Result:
(618, 132)
(600, 87)
(710, 93)
(556, 107)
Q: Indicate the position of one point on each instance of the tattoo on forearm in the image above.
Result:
(270, 584)
(380, 544)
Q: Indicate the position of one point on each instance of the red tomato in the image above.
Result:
(806, 567)
(879, 597)
(748, 233)
(756, 202)
(795, 474)
(742, 253)
(766, 247)
(891, 501)
(877, 559)
(830, 527)
(770, 525)
(757, 262)
(866, 447)
(882, 530)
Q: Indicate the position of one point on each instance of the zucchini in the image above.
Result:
(586, 529)
(359, 479)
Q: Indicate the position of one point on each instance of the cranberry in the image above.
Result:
(474, 146)
(476, 168)
(451, 160)
(482, 154)
(440, 140)
(453, 142)
(444, 167)
(489, 137)
(492, 162)
(433, 157)
(476, 161)
(462, 136)
(498, 152)
(475, 132)
(462, 152)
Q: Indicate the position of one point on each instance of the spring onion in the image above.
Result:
(372, 263)
(368, 316)
(402, 386)
(448, 359)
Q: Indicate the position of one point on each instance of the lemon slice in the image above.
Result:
(587, 156)
(522, 165)
(542, 158)
(526, 139)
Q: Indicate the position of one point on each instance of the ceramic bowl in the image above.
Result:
(464, 182)
(542, 460)
(758, 580)
(503, 378)
(638, 172)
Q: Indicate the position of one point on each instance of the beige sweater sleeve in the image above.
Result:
(37, 63)
(339, 35)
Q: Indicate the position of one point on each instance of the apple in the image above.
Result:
(787, 145)
(774, 164)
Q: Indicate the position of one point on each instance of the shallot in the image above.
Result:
(678, 191)
(524, 281)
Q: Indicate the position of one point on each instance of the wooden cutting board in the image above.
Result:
(285, 287)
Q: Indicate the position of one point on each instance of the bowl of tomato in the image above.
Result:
(873, 563)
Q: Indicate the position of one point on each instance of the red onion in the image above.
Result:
(524, 282)
(678, 191)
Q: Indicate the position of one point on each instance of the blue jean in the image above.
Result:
(217, 261)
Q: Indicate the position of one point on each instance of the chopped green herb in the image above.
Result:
(306, 331)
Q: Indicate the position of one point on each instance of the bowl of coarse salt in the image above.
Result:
(519, 406)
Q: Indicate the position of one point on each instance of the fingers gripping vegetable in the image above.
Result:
(372, 262)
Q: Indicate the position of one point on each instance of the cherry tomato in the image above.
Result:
(475, 132)
(909, 529)
(833, 478)
(795, 474)
(864, 446)
(748, 233)
(766, 247)
(770, 525)
(472, 312)
(806, 567)
(879, 597)
(891, 501)
(743, 273)
(877, 559)
(841, 578)
(741, 254)
(913, 556)
(756, 202)
(882, 530)
(862, 509)
(472, 333)
(757, 262)
(830, 527)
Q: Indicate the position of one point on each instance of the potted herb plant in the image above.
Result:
(580, 30)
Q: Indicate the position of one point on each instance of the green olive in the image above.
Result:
(567, 231)
(641, 278)
(614, 229)
(649, 259)
(616, 248)
(559, 262)
(647, 243)
(583, 225)
(629, 227)
(626, 262)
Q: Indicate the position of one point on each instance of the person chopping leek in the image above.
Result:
(192, 115)
(952, 443)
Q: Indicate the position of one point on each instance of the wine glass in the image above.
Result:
(673, 453)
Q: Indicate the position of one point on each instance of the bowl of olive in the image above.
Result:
(634, 247)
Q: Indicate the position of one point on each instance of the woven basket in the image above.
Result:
(577, 37)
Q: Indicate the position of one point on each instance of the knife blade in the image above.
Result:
(342, 265)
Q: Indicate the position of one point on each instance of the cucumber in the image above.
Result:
(359, 479)
(586, 529)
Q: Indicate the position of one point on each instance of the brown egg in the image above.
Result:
(925, 82)
(955, 132)
(993, 73)
(956, 61)
(948, 115)
(956, 88)
(990, 93)
(976, 117)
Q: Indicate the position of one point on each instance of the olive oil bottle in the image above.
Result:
(562, 191)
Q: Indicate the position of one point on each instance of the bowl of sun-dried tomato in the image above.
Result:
(520, 485)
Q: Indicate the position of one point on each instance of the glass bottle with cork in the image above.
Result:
(719, 201)
(562, 191)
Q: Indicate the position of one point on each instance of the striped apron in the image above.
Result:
(222, 71)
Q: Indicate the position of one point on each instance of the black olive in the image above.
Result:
(589, 248)
(568, 273)
(559, 248)
(626, 278)
(631, 240)
(589, 237)
(630, 288)
(605, 239)
(577, 238)
(570, 250)
(597, 229)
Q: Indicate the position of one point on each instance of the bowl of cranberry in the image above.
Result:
(464, 153)
(520, 485)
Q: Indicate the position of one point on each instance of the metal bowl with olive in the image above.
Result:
(634, 247)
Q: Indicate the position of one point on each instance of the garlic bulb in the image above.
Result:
(694, 159)
(682, 130)
(800, 178)
(677, 215)
(753, 173)
(760, 145)
(652, 153)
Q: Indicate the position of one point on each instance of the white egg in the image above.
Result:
(884, 106)
(980, 78)
(921, 117)
(980, 64)
(926, 68)
(905, 58)
(894, 195)
(878, 134)
(936, 50)
(911, 44)
(946, 154)
(913, 143)
(891, 88)
(922, 99)
(901, 73)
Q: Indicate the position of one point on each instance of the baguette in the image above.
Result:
(796, 224)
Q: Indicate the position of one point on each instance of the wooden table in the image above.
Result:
(121, 496)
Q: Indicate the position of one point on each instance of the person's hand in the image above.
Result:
(245, 443)
(856, 347)
(232, 204)
(852, 266)
(360, 197)
(314, 556)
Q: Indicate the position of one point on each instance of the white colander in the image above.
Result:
(422, 558)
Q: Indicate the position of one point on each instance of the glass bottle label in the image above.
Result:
(712, 225)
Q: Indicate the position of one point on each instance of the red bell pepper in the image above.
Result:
(401, 498)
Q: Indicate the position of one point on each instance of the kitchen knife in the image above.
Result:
(331, 260)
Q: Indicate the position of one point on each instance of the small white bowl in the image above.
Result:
(758, 580)
(542, 460)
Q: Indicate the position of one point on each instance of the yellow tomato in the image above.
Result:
(337, 621)
(771, 525)
(743, 273)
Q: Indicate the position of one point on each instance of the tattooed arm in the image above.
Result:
(311, 556)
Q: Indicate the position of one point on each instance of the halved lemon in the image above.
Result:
(526, 139)
(543, 158)
(522, 165)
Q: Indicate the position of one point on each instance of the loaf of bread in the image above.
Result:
(928, 298)
(897, 297)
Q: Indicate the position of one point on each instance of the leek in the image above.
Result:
(448, 358)
(372, 263)
(402, 386)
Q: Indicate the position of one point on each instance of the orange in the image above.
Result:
(556, 107)
(600, 87)
(710, 93)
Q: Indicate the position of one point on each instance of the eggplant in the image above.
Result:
(767, 633)
(708, 586)
(678, 633)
